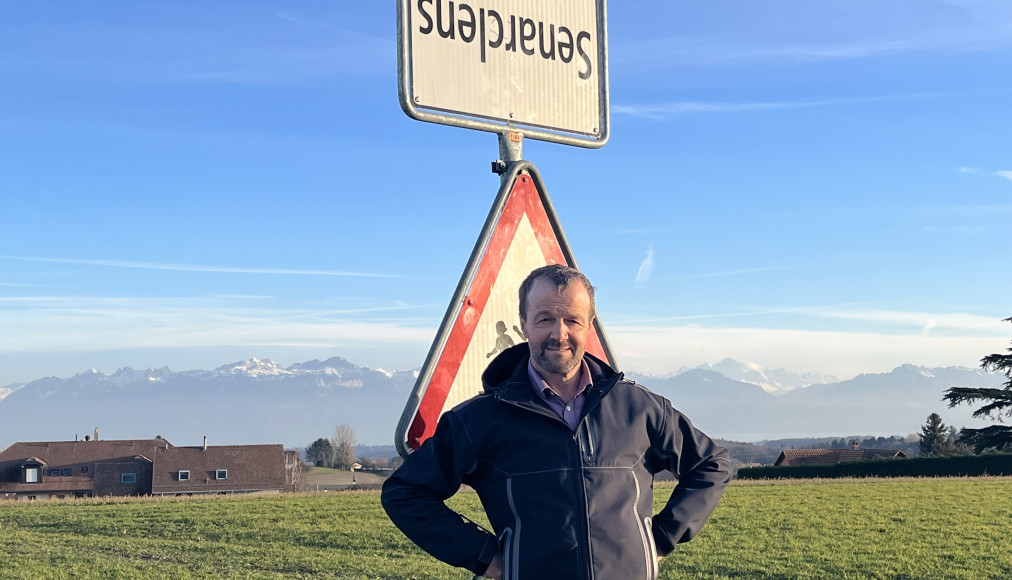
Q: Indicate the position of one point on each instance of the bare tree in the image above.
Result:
(294, 470)
(344, 444)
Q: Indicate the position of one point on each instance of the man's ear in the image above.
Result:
(523, 328)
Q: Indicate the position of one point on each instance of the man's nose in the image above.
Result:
(559, 331)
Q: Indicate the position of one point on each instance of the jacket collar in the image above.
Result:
(506, 376)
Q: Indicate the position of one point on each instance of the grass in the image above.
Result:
(884, 529)
(879, 529)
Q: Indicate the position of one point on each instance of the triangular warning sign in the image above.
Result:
(521, 233)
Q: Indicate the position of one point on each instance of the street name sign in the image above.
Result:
(538, 66)
(521, 233)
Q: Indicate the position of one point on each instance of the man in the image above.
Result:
(561, 450)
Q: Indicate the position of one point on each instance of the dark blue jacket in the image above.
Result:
(564, 504)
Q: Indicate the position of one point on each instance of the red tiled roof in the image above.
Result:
(833, 456)
(70, 452)
(73, 455)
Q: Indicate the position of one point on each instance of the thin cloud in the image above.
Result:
(202, 269)
(966, 210)
(931, 321)
(76, 324)
(736, 272)
(1006, 174)
(687, 50)
(24, 285)
(970, 170)
(646, 266)
(920, 322)
(712, 315)
(287, 17)
(853, 51)
(661, 110)
(662, 350)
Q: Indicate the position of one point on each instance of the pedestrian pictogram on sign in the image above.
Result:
(521, 233)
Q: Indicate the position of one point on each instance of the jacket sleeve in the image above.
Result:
(414, 499)
(702, 469)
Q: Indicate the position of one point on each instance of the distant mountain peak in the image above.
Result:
(334, 362)
(775, 381)
(254, 367)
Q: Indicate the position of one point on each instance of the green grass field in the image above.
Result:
(896, 529)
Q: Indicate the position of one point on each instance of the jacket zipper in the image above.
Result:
(578, 482)
(581, 492)
(586, 441)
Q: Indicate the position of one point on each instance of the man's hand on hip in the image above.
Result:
(494, 570)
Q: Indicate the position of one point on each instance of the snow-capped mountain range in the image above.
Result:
(259, 401)
(773, 381)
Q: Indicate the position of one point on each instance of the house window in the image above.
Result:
(184, 475)
(54, 473)
(221, 474)
(31, 475)
(128, 478)
(84, 469)
(67, 472)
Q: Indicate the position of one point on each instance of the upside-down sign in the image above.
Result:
(521, 233)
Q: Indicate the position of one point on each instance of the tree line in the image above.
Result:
(339, 452)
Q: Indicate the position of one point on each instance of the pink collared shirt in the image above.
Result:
(569, 412)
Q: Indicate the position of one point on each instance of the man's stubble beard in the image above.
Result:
(557, 365)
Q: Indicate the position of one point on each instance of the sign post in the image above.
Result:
(520, 234)
(518, 68)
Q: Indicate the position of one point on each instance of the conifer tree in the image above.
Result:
(934, 440)
(999, 405)
(320, 453)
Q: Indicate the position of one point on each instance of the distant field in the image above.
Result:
(881, 529)
(323, 478)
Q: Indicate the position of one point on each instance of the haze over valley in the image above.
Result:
(259, 401)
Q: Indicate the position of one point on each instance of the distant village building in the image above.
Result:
(833, 456)
(69, 469)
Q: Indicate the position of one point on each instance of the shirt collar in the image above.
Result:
(542, 388)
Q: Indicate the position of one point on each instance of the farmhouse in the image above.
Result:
(69, 469)
(834, 456)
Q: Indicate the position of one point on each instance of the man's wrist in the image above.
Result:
(488, 552)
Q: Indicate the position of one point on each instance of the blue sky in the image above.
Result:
(821, 186)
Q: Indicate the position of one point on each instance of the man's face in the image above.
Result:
(557, 324)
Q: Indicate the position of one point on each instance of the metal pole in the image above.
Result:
(511, 150)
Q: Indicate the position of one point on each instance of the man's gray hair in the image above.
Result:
(559, 275)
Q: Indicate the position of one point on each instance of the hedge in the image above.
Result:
(954, 466)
